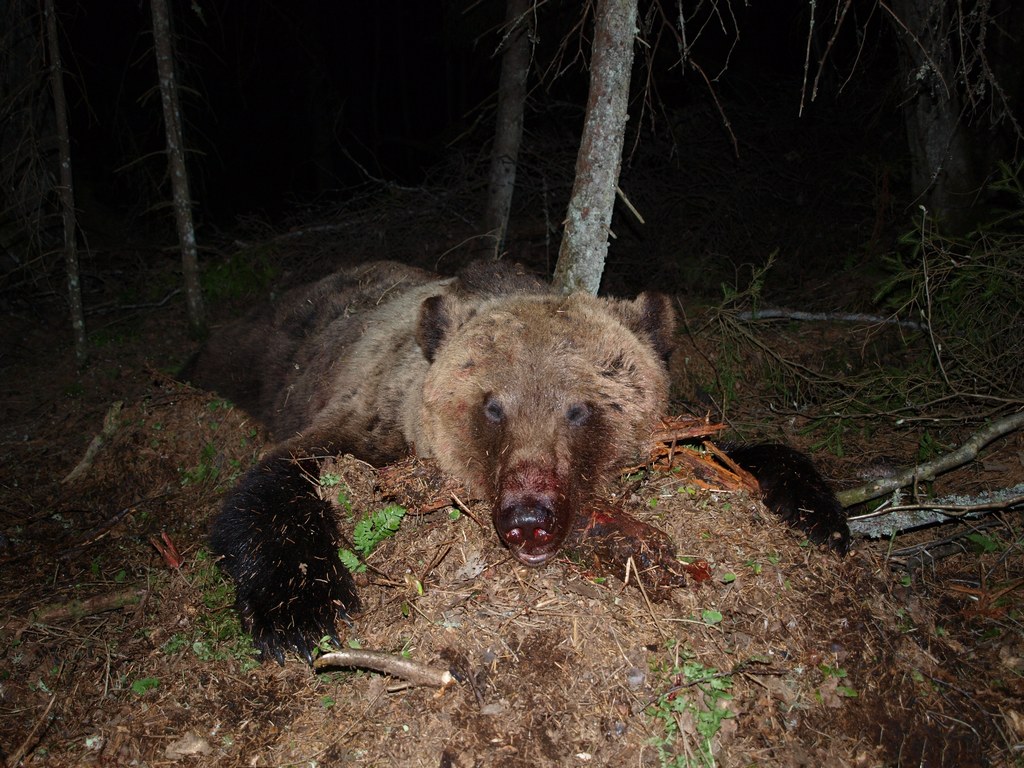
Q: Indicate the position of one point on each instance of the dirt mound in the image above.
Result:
(786, 656)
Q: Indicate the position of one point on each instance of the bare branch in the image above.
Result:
(930, 469)
(388, 663)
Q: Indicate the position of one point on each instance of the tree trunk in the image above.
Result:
(588, 222)
(27, 182)
(944, 173)
(176, 164)
(515, 66)
(66, 189)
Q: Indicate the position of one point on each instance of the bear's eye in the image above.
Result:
(578, 414)
(493, 410)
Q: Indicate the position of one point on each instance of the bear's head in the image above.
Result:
(533, 401)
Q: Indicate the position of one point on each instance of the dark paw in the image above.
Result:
(792, 487)
(279, 545)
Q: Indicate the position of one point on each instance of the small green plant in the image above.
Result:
(711, 617)
(840, 674)
(178, 642)
(928, 447)
(969, 290)
(209, 468)
(835, 430)
(206, 470)
(984, 544)
(144, 684)
(333, 480)
(368, 533)
(217, 634)
(697, 693)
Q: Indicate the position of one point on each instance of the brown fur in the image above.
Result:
(530, 398)
(345, 361)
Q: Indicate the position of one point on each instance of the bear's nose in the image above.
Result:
(527, 526)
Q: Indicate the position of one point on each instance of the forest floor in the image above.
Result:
(787, 656)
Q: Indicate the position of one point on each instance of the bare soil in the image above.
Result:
(111, 656)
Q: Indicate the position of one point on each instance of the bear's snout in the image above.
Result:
(530, 526)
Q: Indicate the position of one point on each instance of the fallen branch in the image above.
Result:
(840, 317)
(77, 609)
(919, 555)
(97, 533)
(388, 663)
(930, 469)
(884, 522)
(20, 753)
(111, 421)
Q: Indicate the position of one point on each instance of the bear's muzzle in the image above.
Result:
(532, 526)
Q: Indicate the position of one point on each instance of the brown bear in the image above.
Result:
(530, 398)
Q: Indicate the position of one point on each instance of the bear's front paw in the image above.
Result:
(278, 543)
(299, 615)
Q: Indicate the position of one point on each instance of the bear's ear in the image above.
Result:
(651, 317)
(440, 317)
(434, 324)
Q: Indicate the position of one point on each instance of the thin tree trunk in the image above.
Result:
(588, 222)
(515, 66)
(176, 164)
(66, 190)
(27, 183)
(944, 175)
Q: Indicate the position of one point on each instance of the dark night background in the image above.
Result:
(294, 104)
(291, 110)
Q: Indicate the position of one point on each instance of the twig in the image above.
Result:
(631, 566)
(909, 516)
(103, 309)
(626, 202)
(929, 469)
(918, 555)
(390, 664)
(937, 345)
(111, 421)
(948, 510)
(460, 504)
(807, 60)
(97, 533)
(20, 752)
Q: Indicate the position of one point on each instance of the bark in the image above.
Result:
(66, 190)
(588, 221)
(515, 66)
(176, 164)
(944, 173)
(27, 180)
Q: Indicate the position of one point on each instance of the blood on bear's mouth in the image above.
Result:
(531, 526)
